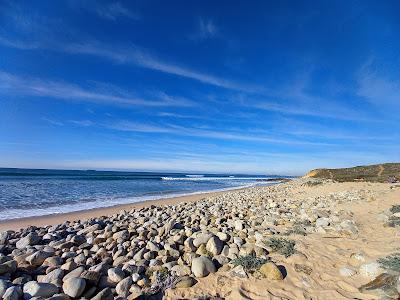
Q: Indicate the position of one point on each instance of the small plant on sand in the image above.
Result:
(299, 230)
(312, 183)
(281, 245)
(391, 262)
(393, 221)
(162, 281)
(395, 209)
(249, 262)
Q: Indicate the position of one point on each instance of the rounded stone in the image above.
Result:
(185, 282)
(322, 222)
(36, 289)
(372, 269)
(123, 287)
(116, 274)
(214, 245)
(12, 293)
(202, 266)
(271, 271)
(4, 285)
(347, 271)
(74, 287)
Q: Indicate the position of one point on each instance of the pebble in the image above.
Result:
(372, 269)
(12, 293)
(214, 245)
(202, 266)
(347, 271)
(116, 274)
(74, 287)
(271, 271)
(185, 282)
(123, 287)
(322, 222)
(31, 239)
(36, 289)
(4, 285)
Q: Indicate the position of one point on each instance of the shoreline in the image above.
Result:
(52, 219)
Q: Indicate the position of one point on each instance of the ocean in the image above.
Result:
(32, 192)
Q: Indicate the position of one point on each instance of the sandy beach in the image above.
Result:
(305, 239)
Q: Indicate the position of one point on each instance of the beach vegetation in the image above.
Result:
(296, 230)
(249, 262)
(393, 221)
(283, 246)
(395, 209)
(391, 262)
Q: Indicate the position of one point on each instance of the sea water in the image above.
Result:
(27, 193)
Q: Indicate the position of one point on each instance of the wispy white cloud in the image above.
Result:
(142, 58)
(83, 123)
(53, 122)
(292, 100)
(23, 45)
(109, 11)
(328, 111)
(205, 29)
(131, 55)
(205, 133)
(17, 85)
(378, 89)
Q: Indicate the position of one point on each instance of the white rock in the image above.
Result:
(13, 293)
(239, 225)
(116, 274)
(214, 245)
(322, 222)
(372, 269)
(347, 271)
(74, 287)
(36, 289)
(201, 239)
(202, 266)
(4, 285)
(123, 287)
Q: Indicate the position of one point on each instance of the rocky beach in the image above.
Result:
(304, 239)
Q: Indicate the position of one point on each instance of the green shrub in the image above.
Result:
(391, 262)
(395, 209)
(281, 245)
(249, 262)
(299, 230)
(393, 221)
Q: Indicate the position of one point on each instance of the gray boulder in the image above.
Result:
(202, 266)
(13, 293)
(74, 287)
(35, 289)
(29, 240)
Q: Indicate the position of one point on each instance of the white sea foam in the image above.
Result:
(213, 178)
(8, 214)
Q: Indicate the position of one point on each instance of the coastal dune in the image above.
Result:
(304, 239)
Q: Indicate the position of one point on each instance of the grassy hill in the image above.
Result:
(373, 173)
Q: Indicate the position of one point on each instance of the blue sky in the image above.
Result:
(209, 86)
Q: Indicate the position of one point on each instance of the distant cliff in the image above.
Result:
(389, 172)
